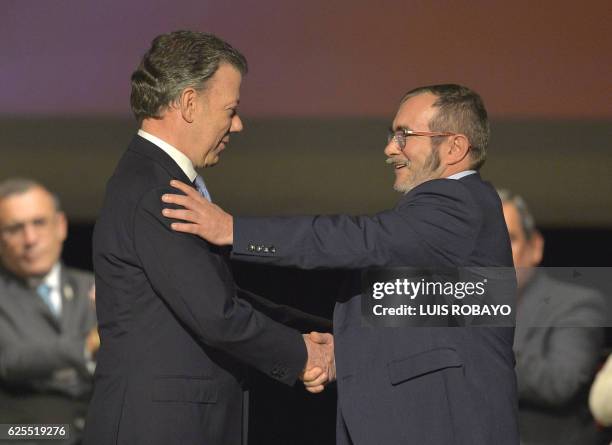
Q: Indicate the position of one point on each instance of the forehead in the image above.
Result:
(416, 112)
(33, 203)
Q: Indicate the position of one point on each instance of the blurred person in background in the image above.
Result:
(48, 335)
(556, 351)
(600, 398)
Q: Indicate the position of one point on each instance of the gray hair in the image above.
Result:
(19, 186)
(460, 110)
(175, 61)
(527, 221)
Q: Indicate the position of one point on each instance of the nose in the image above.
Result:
(30, 234)
(392, 149)
(236, 126)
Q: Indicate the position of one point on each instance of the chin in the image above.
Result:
(402, 188)
(211, 160)
(33, 272)
(403, 185)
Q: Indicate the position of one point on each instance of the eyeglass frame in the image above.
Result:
(403, 133)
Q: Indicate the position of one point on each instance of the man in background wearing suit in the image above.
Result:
(176, 333)
(427, 386)
(558, 341)
(47, 321)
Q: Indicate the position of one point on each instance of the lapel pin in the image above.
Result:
(68, 292)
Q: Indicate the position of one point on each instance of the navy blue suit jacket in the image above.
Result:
(175, 337)
(423, 386)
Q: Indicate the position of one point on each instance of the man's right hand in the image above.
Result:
(320, 367)
(203, 218)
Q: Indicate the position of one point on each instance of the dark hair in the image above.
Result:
(460, 110)
(175, 61)
(19, 186)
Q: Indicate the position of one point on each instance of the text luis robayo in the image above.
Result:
(435, 298)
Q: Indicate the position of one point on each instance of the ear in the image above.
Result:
(187, 104)
(62, 225)
(457, 149)
(536, 247)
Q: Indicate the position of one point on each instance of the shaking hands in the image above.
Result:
(200, 217)
(320, 367)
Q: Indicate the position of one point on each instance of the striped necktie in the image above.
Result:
(201, 187)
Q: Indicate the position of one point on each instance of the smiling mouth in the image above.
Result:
(398, 164)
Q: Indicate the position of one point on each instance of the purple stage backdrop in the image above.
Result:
(325, 58)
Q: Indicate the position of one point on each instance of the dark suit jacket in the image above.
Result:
(175, 337)
(558, 346)
(408, 385)
(43, 372)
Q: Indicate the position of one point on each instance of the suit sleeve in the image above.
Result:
(433, 221)
(197, 286)
(552, 374)
(286, 315)
(25, 361)
(83, 283)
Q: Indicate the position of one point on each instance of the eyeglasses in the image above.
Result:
(402, 134)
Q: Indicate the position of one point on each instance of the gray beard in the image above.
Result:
(427, 173)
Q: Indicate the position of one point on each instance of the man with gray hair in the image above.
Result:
(176, 333)
(47, 321)
(558, 340)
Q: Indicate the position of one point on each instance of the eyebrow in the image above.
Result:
(401, 127)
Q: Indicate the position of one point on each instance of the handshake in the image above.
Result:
(320, 368)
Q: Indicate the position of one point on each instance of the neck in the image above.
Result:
(454, 169)
(163, 129)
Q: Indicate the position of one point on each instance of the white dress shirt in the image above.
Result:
(461, 174)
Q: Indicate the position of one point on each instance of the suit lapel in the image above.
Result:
(31, 300)
(24, 300)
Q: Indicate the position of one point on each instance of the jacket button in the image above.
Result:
(251, 247)
(272, 249)
(259, 248)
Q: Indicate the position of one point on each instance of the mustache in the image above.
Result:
(396, 161)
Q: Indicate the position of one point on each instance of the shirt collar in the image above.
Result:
(177, 156)
(52, 279)
(461, 174)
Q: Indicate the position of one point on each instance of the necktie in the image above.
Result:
(44, 291)
(201, 187)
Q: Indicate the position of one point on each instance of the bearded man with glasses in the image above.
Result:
(428, 385)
